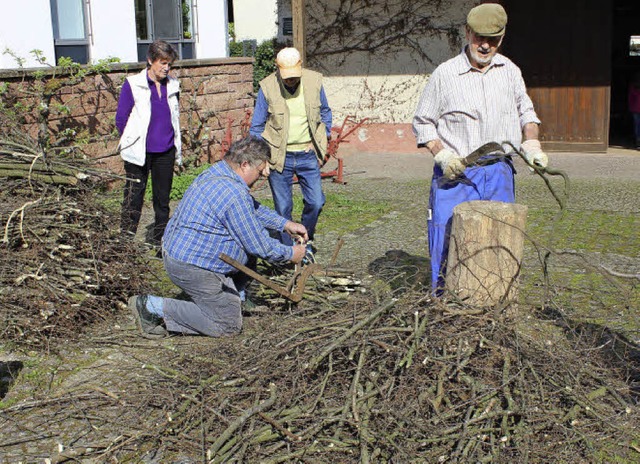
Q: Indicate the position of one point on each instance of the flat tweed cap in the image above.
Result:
(488, 19)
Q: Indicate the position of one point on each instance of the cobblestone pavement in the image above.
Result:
(616, 163)
(403, 228)
(599, 182)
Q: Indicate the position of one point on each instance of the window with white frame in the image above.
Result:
(70, 30)
(169, 20)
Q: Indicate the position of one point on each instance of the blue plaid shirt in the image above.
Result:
(218, 215)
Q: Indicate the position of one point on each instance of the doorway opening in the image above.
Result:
(625, 62)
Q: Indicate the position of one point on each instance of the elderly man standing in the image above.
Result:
(292, 114)
(216, 215)
(476, 97)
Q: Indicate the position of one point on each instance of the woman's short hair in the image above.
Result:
(161, 50)
(251, 149)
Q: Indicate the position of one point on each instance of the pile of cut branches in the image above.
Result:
(407, 380)
(410, 379)
(62, 263)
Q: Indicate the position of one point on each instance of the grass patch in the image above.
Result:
(588, 231)
(341, 213)
(180, 183)
(584, 243)
(159, 279)
(110, 200)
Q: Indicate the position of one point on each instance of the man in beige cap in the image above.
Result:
(476, 97)
(293, 116)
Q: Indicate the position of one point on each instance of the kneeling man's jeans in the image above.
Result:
(215, 307)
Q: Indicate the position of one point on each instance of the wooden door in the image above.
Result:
(564, 51)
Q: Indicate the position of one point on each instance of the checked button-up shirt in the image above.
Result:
(218, 215)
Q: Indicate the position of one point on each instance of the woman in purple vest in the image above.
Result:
(148, 121)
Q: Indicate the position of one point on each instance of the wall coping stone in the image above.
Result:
(117, 67)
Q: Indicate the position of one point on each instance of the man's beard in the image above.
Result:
(481, 59)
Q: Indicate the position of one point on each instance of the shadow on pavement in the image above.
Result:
(401, 270)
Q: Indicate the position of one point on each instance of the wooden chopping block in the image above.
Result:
(485, 252)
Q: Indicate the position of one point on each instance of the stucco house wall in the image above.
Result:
(25, 29)
(255, 19)
(376, 57)
(112, 31)
(212, 38)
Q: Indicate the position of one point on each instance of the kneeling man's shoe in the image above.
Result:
(150, 325)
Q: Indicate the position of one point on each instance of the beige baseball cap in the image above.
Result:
(488, 19)
(289, 63)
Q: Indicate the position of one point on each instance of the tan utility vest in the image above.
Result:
(276, 129)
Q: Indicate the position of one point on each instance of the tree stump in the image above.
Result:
(485, 252)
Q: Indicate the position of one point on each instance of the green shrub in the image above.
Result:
(265, 58)
(265, 62)
(235, 48)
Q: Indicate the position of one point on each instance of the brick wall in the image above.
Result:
(215, 97)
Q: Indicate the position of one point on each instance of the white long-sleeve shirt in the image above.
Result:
(465, 108)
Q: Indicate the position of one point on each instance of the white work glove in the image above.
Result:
(450, 164)
(533, 153)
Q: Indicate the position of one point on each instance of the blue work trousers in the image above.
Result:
(304, 165)
(492, 182)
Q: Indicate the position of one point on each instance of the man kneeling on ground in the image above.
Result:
(216, 215)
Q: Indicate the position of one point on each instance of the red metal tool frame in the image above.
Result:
(332, 150)
(245, 124)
